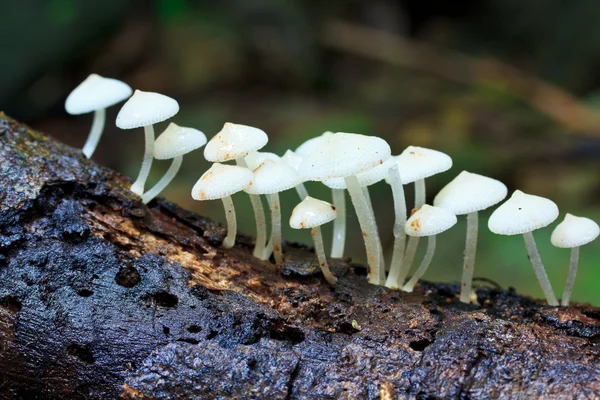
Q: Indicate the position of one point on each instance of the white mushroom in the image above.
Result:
(220, 182)
(312, 213)
(428, 221)
(468, 194)
(521, 215)
(96, 93)
(572, 233)
(173, 143)
(144, 109)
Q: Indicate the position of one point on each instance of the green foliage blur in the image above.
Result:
(267, 63)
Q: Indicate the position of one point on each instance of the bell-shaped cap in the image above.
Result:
(344, 154)
(221, 180)
(470, 192)
(365, 178)
(273, 177)
(574, 232)
(311, 212)
(255, 158)
(176, 141)
(96, 92)
(292, 159)
(146, 108)
(429, 221)
(234, 141)
(312, 144)
(417, 163)
(522, 213)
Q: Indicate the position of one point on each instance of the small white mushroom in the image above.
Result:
(428, 221)
(572, 233)
(144, 109)
(468, 194)
(521, 215)
(312, 213)
(173, 143)
(220, 182)
(96, 93)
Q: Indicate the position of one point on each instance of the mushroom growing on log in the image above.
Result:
(102, 296)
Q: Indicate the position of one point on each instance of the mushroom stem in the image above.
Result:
(419, 193)
(301, 190)
(399, 233)
(538, 267)
(366, 220)
(164, 181)
(259, 216)
(339, 223)
(571, 277)
(95, 133)
(276, 228)
(409, 257)
(365, 190)
(229, 240)
(423, 267)
(469, 260)
(138, 185)
(320, 250)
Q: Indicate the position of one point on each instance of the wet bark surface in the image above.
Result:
(101, 297)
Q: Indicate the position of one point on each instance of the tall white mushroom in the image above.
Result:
(521, 215)
(428, 221)
(173, 143)
(312, 213)
(96, 93)
(415, 164)
(344, 155)
(235, 142)
(220, 182)
(572, 233)
(144, 109)
(468, 194)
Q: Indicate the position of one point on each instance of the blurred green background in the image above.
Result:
(508, 88)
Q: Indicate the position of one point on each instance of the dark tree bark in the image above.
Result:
(101, 297)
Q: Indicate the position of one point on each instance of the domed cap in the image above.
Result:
(522, 213)
(255, 158)
(146, 108)
(292, 159)
(429, 221)
(96, 92)
(365, 178)
(311, 212)
(273, 177)
(312, 145)
(419, 163)
(344, 154)
(176, 141)
(574, 232)
(220, 181)
(470, 192)
(234, 141)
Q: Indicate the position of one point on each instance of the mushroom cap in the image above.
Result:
(522, 213)
(344, 154)
(273, 177)
(419, 163)
(292, 159)
(470, 192)
(429, 221)
(146, 108)
(312, 144)
(96, 92)
(255, 158)
(234, 141)
(220, 181)
(176, 141)
(574, 232)
(311, 212)
(365, 178)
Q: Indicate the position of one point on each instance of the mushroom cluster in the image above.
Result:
(343, 162)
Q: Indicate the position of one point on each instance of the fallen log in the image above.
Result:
(102, 296)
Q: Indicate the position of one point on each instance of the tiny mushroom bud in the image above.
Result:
(521, 215)
(96, 93)
(470, 193)
(144, 109)
(173, 143)
(312, 213)
(220, 182)
(572, 233)
(428, 221)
